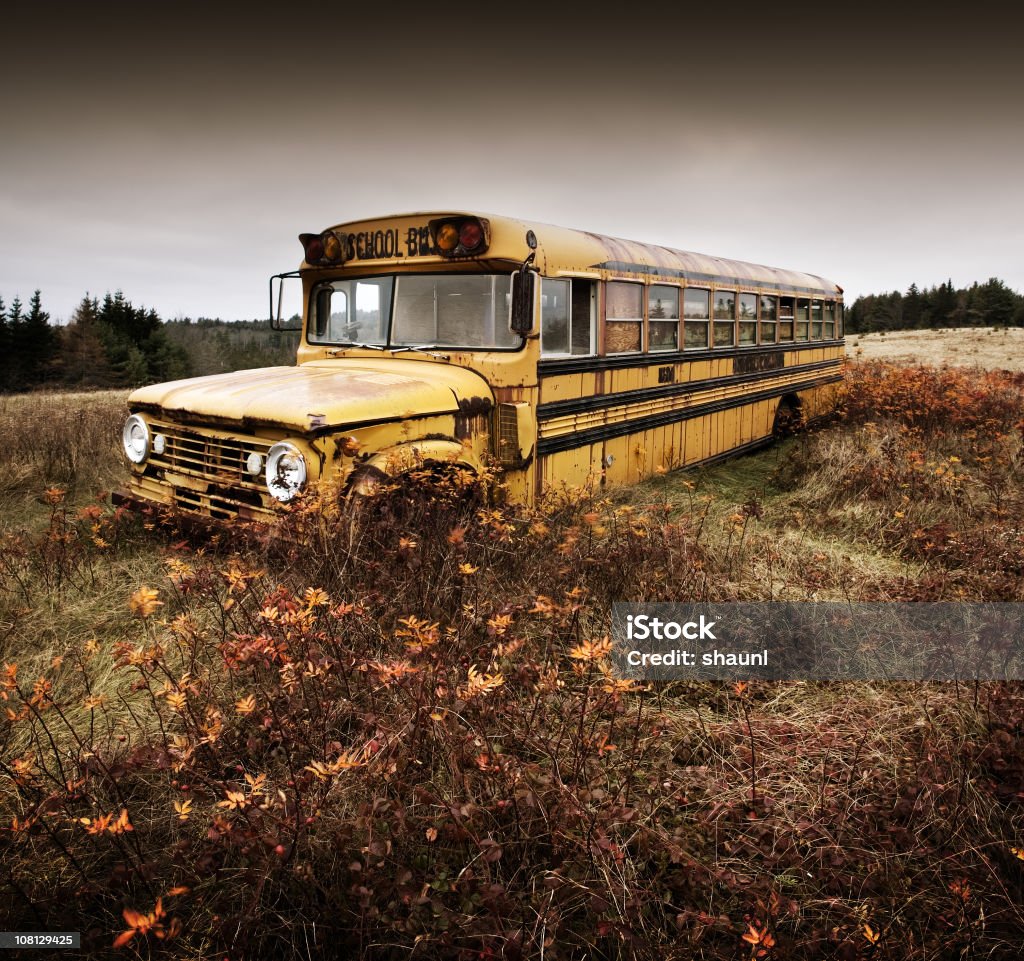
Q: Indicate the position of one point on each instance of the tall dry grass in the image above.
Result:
(72, 440)
(392, 727)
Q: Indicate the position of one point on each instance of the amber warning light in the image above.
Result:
(325, 248)
(459, 236)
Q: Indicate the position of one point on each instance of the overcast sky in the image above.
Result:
(176, 153)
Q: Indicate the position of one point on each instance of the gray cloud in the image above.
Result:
(177, 153)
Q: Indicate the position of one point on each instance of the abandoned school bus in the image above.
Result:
(561, 356)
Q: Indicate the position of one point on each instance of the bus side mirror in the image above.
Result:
(522, 299)
(281, 304)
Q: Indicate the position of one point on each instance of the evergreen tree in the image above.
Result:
(944, 303)
(131, 324)
(39, 344)
(913, 308)
(16, 328)
(960, 315)
(164, 360)
(5, 347)
(994, 302)
(136, 344)
(125, 370)
(84, 357)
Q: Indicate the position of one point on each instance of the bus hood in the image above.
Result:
(345, 392)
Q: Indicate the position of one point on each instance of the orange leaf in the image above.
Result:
(133, 917)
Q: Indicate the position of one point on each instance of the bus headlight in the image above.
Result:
(135, 439)
(286, 471)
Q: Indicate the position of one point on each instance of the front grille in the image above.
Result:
(217, 503)
(218, 461)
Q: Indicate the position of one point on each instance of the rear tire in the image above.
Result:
(789, 418)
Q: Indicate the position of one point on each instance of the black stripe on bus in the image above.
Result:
(652, 270)
(578, 405)
(595, 435)
(581, 365)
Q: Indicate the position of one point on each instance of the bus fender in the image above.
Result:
(415, 455)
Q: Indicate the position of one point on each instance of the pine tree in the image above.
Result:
(5, 348)
(944, 303)
(913, 308)
(959, 316)
(136, 343)
(16, 326)
(132, 324)
(39, 343)
(164, 360)
(85, 360)
(995, 303)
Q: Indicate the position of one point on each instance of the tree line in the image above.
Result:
(991, 304)
(108, 343)
(111, 343)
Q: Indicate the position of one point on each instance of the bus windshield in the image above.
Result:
(426, 310)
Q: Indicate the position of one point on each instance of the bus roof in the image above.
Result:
(568, 251)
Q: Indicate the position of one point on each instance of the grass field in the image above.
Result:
(393, 728)
(994, 348)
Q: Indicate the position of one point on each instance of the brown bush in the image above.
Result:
(391, 725)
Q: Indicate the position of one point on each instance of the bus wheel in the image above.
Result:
(433, 481)
(367, 481)
(789, 417)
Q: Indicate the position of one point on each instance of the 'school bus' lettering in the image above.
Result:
(385, 244)
(461, 339)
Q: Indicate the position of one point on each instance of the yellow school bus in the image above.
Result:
(559, 356)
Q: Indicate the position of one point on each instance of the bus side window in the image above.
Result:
(748, 319)
(554, 316)
(663, 317)
(785, 318)
(582, 327)
(725, 318)
(624, 323)
(769, 316)
(830, 319)
(803, 326)
(696, 317)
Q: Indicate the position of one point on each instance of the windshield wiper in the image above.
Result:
(423, 350)
(338, 350)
